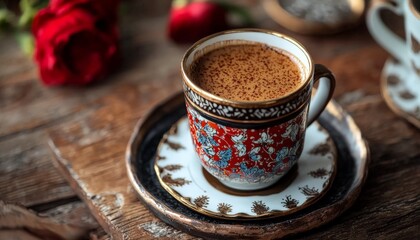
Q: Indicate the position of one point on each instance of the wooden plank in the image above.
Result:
(25, 163)
(98, 175)
(11, 59)
(28, 109)
(26, 173)
(70, 221)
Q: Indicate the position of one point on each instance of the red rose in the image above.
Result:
(189, 23)
(76, 41)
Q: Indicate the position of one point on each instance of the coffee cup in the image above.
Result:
(406, 51)
(249, 144)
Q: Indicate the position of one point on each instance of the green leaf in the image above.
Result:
(6, 18)
(180, 3)
(40, 4)
(4, 15)
(26, 42)
(25, 19)
(27, 7)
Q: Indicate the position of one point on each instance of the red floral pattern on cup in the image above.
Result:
(243, 155)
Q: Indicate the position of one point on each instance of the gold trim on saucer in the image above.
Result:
(258, 207)
(173, 214)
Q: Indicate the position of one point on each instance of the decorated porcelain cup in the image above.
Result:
(406, 51)
(250, 145)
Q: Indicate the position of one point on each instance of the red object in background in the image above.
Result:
(190, 22)
(76, 41)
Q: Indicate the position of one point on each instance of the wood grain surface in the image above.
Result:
(88, 129)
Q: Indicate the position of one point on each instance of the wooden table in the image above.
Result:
(33, 116)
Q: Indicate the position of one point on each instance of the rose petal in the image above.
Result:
(86, 55)
(44, 16)
(196, 20)
(73, 44)
(102, 8)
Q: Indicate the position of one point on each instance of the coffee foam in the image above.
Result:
(246, 71)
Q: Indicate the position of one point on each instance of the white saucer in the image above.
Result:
(180, 173)
(400, 87)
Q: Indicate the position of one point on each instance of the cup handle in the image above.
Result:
(382, 34)
(323, 93)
